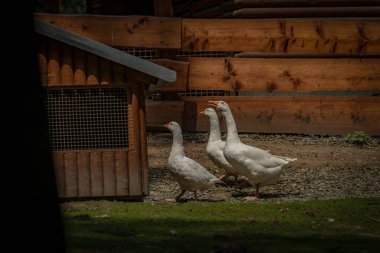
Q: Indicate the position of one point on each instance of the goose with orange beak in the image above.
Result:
(259, 166)
(215, 146)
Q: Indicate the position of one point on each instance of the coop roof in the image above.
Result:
(105, 51)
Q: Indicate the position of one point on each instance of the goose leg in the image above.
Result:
(195, 195)
(225, 176)
(180, 195)
(222, 177)
(243, 185)
(257, 194)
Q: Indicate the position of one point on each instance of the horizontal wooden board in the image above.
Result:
(298, 115)
(159, 113)
(282, 3)
(121, 31)
(290, 75)
(333, 36)
(182, 69)
(308, 12)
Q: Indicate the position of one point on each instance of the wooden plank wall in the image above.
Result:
(63, 65)
(275, 8)
(84, 174)
(294, 115)
(284, 74)
(272, 55)
(334, 36)
(121, 31)
(305, 76)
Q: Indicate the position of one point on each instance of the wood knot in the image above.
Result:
(271, 86)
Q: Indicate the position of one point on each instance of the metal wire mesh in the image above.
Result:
(204, 93)
(204, 54)
(142, 53)
(86, 119)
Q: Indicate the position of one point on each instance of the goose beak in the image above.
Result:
(213, 103)
(166, 125)
(202, 112)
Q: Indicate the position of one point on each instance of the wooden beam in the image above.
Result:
(335, 36)
(135, 166)
(107, 52)
(298, 115)
(182, 70)
(297, 55)
(143, 141)
(42, 60)
(308, 12)
(284, 75)
(159, 113)
(282, 3)
(121, 31)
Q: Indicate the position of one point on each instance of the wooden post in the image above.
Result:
(42, 60)
(105, 71)
(53, 63)
(144, 149)
(67, 74)
(79, 67)
(135, 180)
(92, 69)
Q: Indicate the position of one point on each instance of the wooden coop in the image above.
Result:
(96, 111)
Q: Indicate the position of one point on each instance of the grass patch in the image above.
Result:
(346, 225)
(358, 138)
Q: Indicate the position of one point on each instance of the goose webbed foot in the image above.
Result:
(223, 177)
(256, 196)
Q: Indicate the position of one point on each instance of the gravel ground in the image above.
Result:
(327, 168)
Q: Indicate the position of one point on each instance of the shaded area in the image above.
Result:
(308, 226)
(30, 205)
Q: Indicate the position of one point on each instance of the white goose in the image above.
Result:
(215, 145)
(189, 174)
(259, 166)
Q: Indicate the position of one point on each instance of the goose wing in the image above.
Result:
(191, 170)
(261, 158)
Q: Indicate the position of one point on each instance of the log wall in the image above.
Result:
(315, 64)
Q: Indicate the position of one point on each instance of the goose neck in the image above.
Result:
(214, 129)
(232, 133)
(177, 146)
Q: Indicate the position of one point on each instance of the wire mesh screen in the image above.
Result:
(214, 54)
(142, 53)
(86, 119)
(204, 93)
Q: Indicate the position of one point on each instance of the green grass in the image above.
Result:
(347, 225)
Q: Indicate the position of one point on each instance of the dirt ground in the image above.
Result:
(326, 168)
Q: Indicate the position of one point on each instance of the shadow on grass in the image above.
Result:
(239, 194)
(181, 235)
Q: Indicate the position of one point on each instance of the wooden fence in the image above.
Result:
(285, 75)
